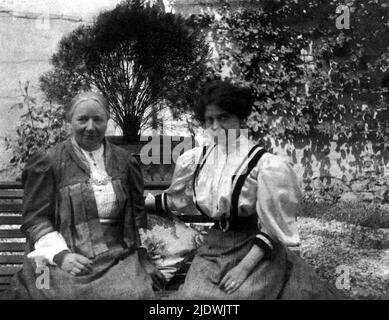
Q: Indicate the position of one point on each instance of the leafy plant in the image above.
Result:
(314, 84)
(42, 125)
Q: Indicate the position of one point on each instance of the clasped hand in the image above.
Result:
(234, 278)
(76, 264)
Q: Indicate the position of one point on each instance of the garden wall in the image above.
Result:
(26, 46)
(27, 42)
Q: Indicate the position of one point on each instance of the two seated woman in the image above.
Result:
(84, 203)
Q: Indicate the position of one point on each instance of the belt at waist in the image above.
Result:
(240, 223)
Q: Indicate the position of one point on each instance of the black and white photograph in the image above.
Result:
(194, 150)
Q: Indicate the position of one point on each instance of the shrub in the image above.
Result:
(141, 58)
(42, 125)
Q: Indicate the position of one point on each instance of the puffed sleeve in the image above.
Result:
(278, 202)
(39, 198)
(137, 187)
(178, 198)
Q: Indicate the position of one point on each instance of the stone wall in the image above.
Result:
(26, 45)
(28, 39)
(335, 173)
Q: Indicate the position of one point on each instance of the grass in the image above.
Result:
(373, 216)
(328, 245)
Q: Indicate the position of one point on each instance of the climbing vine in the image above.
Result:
(317, 88)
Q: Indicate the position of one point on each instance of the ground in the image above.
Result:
(335, 248)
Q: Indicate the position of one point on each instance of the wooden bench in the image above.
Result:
(12, 241)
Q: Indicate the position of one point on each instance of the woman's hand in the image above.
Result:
(234, 278)
(238, 274)
(76, 264)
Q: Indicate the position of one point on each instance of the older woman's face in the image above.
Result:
(89, 123)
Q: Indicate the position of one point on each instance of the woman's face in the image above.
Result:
(89, 123)
(219, 121)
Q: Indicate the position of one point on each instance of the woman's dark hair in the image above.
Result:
(227, 96)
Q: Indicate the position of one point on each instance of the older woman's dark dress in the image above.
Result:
(59, 197)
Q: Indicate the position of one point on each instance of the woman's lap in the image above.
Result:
(113, 277)
(284, 276)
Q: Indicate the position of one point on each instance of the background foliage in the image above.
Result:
(141, 58)
(41, 126)
(314, 84)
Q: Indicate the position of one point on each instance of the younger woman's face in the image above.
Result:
(218, 120)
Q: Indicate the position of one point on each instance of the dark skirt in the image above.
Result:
(117, 274)
(283, 276)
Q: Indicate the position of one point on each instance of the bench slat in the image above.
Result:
(11, 219)
(184, 218)
(9, 271)
(10, 185)
(11, 194)
(11, 207)
(5, 280)
(3, 287)
(18, 185)
(11, 259)
(12, 246)
(13, 233)
(147, 185)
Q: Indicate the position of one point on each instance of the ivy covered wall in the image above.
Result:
(311, 84)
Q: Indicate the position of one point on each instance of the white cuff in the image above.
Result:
(150, 201)
(47, 247)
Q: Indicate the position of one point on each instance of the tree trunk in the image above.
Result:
(131, 129)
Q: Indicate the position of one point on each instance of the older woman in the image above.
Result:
(82, 207)
(253, 198)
